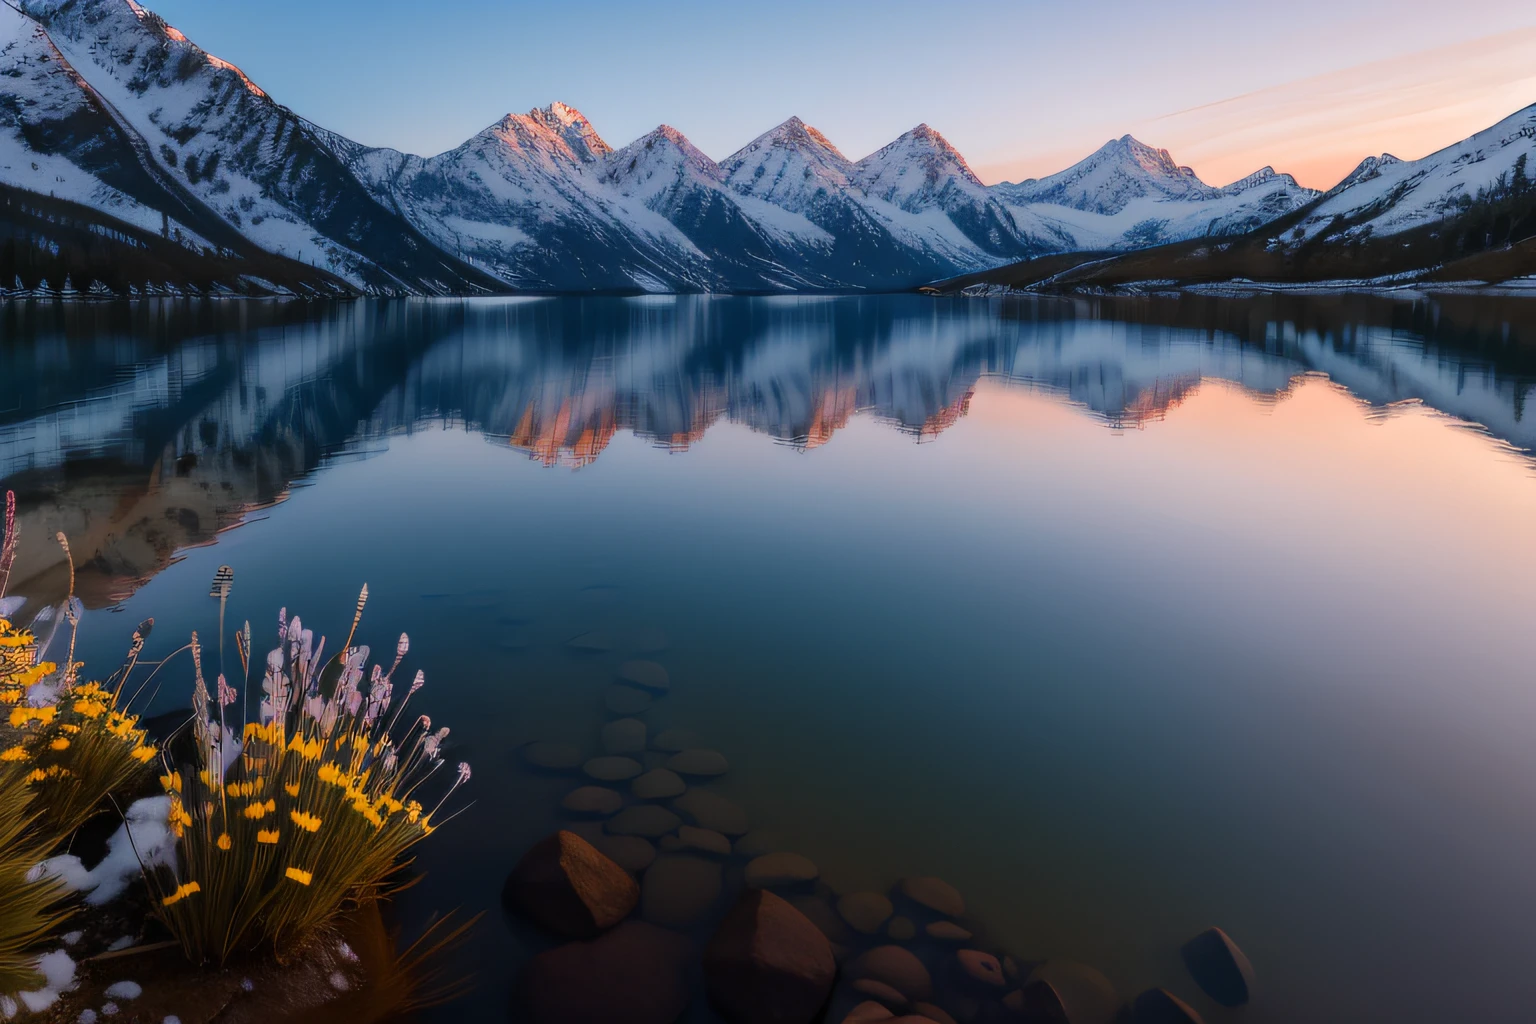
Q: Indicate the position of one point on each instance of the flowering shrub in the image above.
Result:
(313, 811)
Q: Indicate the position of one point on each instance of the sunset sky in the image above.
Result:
(1022, 87)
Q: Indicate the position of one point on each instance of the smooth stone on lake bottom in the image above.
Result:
(893, 966)
(780, 869)
(700, 839)
(645, 674)
(1159, 1006)
(865, 911)
(625, 736)
(880, 992)
(648, 820)
(712, 811)
(1071, 992)
(592, 800)
(680, 890)
(672, 741)
(612, 769)
(596, 640)
(632, 853)
(901, 929)
(982, 968)
(698, 762)
(626, 700)
(935, 894)
(565, 885)
(635, 974)
(553, 756)
(948, 931)
(658, 784)
(1219, 967)
(768, 964)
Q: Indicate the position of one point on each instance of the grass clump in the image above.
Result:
(29, 910)
(315, 813)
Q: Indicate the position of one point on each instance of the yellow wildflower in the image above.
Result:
(59, 744)
(182, 892)
(90, 708)
(224, 841)
(258, 810)
(292, 790)
(267, 835)
(16, 753)
(363, 808)
(302, 877)
(143, 754)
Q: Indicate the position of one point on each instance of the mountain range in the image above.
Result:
(132, 161)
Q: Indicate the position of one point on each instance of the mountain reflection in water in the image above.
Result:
(141, 430)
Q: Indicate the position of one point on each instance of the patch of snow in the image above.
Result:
(143, 841)
(124, 990)
(120, 943)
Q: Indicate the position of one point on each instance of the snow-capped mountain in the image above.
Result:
(107, 107)
(136, 121)
(1491, 172)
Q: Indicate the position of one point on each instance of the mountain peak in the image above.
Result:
(572, 126)
(663, 151)
(795, 132)
(1118, 172)
(913, 170)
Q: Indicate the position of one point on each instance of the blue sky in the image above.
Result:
(1021, 88)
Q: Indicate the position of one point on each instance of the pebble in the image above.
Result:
(948, 931)
(935, 894)
(626, 700)
(881, 993)
(658, 784)
(901, 929)
(596, 640)
(699, 839)
(780, 869)
(645, 674)
(865, 911)
(592, 800)
(895, 967)
(625, 736)
(698, 762)
(1159, 1006)
(1219, 967)
(646, 820)
(632, 853)
(679, 891)
(982, 968)
(1073, 992)
(712, 811)
(553, 756)
(612, 769)
(674, 740)
(760, 841)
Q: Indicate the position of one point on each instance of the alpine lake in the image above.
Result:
(1124, 617)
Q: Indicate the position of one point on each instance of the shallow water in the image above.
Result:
(1126, 618)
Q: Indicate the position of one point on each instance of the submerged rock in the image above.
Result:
(935, 894)
(712, 811)
(896, 967)
(1071, 993)
(568, 887)
(1159, 1006)
(625, 736)
(626, 700)
(646, 674)
(865, 911)
(635, 974)
(881, 993)
(780, 869)
(632, 853)
(680, 890)
(948, 931)
(658, 784)
(768, 964)
(981, 968)
(1219, 967)
(648, 820)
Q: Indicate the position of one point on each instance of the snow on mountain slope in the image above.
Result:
(525, 199)
(1386, 196)
(202, 129)
(1128, 195)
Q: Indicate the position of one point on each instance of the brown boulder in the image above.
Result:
(768, 964)
(1069, 993)
(566, 886)
(635, 974)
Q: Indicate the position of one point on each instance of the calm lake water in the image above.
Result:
(1127, 618)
